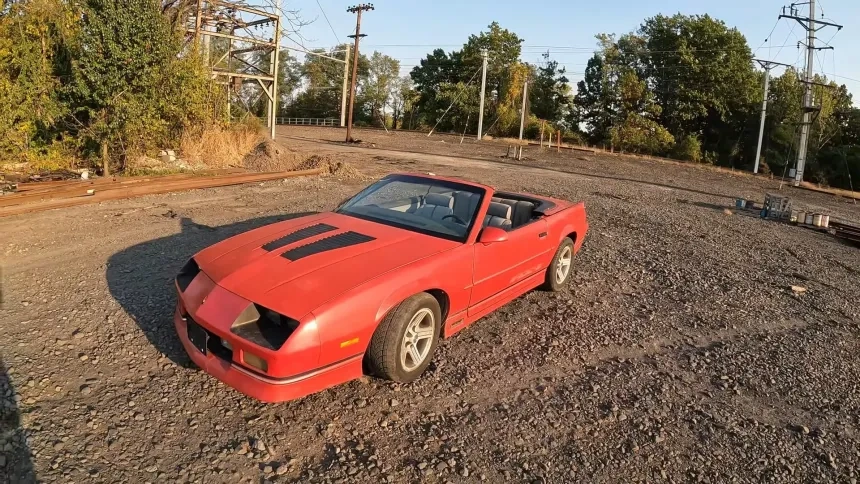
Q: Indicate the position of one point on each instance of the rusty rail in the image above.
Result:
(67, 196)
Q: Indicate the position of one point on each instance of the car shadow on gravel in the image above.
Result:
(16, 464)
(140, 278)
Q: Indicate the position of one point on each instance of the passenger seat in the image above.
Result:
(498, 215)
(465, 204)
(522, 210)
(436, 206)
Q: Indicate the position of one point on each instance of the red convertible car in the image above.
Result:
(298, 306)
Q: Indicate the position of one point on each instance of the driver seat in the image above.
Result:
(436, 206)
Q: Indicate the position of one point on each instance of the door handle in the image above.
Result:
(542, 235)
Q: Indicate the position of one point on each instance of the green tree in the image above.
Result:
(403, 100)
(322, 86)
(438, 68)
(701, 74)
(549, 92)
(435, 69)
(503, 50)
(121, 78)
(35, 37)
(594, 104)
(378, 87)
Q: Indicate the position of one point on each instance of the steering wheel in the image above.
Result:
(456, 219)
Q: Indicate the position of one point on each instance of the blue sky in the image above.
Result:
(407, 30)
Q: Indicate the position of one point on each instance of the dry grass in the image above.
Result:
(219, 147)
(513, 141)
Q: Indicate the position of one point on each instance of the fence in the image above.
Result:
(309, 121)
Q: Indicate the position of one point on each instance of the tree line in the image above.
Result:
(680, 86)
(98, 81)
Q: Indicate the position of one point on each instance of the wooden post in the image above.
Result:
(105, 159)
(558, 145)
(542, 123)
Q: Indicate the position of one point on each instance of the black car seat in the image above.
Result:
(436, 206)
(465, 204)
(521, 210)
(498, 215)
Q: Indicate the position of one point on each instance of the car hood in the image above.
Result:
(295, 266)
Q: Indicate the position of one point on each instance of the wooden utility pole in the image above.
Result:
(357, 9)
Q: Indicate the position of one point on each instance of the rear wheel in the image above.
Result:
(403, 344)
(559, 270)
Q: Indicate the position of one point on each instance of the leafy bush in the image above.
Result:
(573, 138)
(96, 79)
(688, 148)
(639, 134)
(34, 40)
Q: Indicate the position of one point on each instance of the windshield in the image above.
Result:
(433, 207)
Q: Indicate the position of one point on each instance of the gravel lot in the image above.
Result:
(679, 353)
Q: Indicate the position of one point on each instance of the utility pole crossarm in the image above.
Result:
(766, 63)
(803, 21)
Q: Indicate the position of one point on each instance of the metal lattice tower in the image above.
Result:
(247, 29)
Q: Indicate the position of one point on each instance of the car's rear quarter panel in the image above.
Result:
(569, 220)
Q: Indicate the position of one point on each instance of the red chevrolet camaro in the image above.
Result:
(298, 306)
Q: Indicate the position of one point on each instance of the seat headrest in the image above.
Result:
(464, 195)
(439, 200)
(499, 210)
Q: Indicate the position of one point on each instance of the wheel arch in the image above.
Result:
(392, 301)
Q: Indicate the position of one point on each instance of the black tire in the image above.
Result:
(551, 283)
(384, 356)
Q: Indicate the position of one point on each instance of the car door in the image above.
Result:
(500, 265)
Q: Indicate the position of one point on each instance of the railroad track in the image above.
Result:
(64, 194)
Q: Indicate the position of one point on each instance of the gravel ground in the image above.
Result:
(679, 353)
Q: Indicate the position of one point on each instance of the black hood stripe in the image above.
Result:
(338, 241)
(301, 234)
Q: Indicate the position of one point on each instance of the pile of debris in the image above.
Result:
(778, 207)
(269, 156)
(9, 181)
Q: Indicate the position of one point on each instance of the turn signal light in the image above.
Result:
(255, 361)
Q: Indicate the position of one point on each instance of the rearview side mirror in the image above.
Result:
(491, 235)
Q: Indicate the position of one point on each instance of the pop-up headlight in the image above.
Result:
(263, 327)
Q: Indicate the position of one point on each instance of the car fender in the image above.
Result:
(347, 323)
(403, 293)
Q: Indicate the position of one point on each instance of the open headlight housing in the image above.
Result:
(187, 274)
(263, 327)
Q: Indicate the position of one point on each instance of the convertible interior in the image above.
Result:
(507, 211)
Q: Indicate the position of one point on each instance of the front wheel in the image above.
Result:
(402, 346)
(558, 272)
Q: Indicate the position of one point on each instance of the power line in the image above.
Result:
(766, 38)
(791, 31)
(329, 23)
(542, 48)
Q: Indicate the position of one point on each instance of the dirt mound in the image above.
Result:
(332, 167)
(270, 156)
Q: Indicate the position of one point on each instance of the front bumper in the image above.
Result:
(263, 388)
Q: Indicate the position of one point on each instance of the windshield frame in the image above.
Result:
(455, 186)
